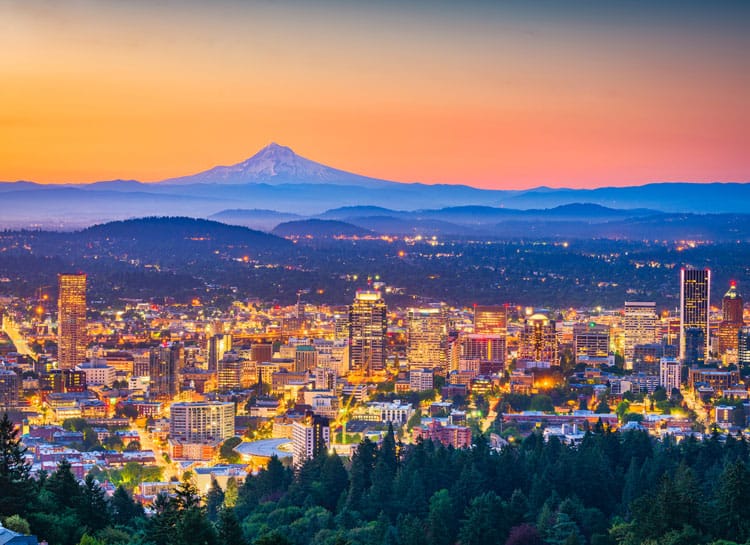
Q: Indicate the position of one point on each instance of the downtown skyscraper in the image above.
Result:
(640, 327)
(695, 298)
(71, 320)
(367, 330)
(427, 335)
(732, 320)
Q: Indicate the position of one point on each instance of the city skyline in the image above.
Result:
(313, 272)
(575, 94)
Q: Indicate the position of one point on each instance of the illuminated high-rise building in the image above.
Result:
(229, 371)
(538, 340)
(670, 374)
(640, 328)
(165, 364)
(71, 318)
(309, 437)
(341, 322)
(217, 345)
(10, 388)
(695, 297)
(590, 340)
(483, 347)
(490, 320)
(743, 346)
(427, 335)
(731, 320)
(732, 305)
(368, 324)
(201, 421)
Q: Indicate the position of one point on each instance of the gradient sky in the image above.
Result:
(493, 94)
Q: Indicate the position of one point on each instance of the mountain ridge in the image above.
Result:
(276, 178)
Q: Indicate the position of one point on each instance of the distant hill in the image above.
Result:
(412, 226)
(668, 197)
(170, 231)
(345, 212)
(319, 228)
(261, 219)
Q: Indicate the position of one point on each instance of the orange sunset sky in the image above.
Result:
(491, 94)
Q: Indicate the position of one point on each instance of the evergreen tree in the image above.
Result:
(63, 486)
(273, 538)
(162, 525)
(563, 532)
(17, 489)
(187, 495)
(214, 500)
(733, 503)
(124, 510)
(193, 527)
(231, 493)
(334, 481)
(411, 530)
(360, 474)
(93, 508)
(482, 524)
(228, 528)
(440, 520)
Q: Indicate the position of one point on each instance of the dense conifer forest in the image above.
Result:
(612, 489)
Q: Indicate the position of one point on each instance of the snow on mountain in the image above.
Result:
(277, 165)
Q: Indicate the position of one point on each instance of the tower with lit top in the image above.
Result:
(71, 320)
(367, 332)
(731, 321)
(695, 297)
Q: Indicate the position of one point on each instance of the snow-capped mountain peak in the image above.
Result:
(276, 164)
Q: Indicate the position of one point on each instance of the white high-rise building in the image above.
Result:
(640, 327)
(310, 436)
(97, 374)
(201, 421)
(421, 380)
(670, 374)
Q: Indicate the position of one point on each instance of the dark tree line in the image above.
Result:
(611, 489)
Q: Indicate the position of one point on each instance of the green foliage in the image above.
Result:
(17, 524)
(484, 521)
(63, 487)
(17, 489)
(541, 402)
(114, 536)
(93, 506)
(227, 452)
(89, 540)
(733, 503)
(123, 510)
(611, 489)
(132, 474)
(214, 500)
(414, 420)
(602, 407)
(441, 527)
(231, 493)
(194, 527)
(228, 528)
